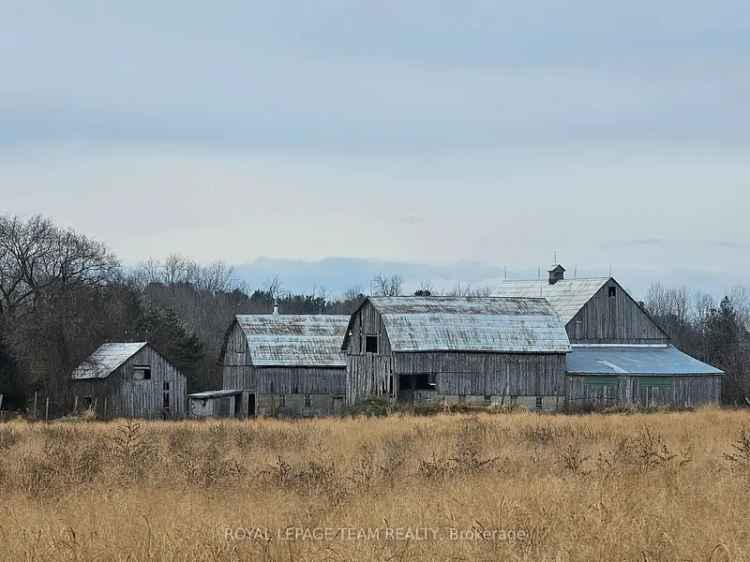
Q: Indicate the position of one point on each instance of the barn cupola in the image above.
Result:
(557, 273)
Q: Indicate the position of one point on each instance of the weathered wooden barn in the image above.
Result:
(480, 350)
(130, 380)
(288, 365)
(620, 355)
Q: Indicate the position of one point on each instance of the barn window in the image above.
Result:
(308, 401)
(165, 400)
(488, 397)
(613, 291)
(371, 344)
(166, 386)
(142, 372)
(539, 402)
(282, 400)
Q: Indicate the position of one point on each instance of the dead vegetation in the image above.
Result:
(668, 486)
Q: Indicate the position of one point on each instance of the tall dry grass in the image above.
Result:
(667, 486)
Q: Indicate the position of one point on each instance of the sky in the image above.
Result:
(472, 136)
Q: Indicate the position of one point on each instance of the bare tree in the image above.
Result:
(466, 290)
(176, 270)
(274, 287)
(387, 286)
(39, 258)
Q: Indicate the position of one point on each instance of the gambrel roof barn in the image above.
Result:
(285, 363)
(422, 349)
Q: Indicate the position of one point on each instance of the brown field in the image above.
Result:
(664, 486)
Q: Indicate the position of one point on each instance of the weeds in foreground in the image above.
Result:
(593, 487)
(740, 455)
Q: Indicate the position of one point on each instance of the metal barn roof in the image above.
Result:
(505, 325)
(286, 340)
(107, 359)
(566, 296)
(657, 360)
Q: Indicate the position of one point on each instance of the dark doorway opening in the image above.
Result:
(424, 381)
(238, 406)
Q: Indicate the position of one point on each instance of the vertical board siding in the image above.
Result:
(456, 373)
(368, 375)
(617, 319)
(267, 384)
(237, 373)
(684, 392)
(123, 396)
(300, 380)
(484, 374)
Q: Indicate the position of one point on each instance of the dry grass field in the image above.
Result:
(664, 486)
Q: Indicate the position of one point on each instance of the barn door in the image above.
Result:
(166, 406)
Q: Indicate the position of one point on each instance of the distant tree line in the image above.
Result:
(717, 332)
(63, 294)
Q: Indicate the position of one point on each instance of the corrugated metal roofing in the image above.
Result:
(106, 359)
(506, 325)
(567, 296)
(635, 360)
(286, 340)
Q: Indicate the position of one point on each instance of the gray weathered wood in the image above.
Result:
(128, 397)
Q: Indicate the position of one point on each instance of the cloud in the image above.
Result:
(664, 243)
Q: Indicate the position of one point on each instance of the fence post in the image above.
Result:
(35, 402)
(46, 410)
(75, 405)
(1, 407)
(105, 408)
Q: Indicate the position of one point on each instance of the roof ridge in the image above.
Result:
(594, 278)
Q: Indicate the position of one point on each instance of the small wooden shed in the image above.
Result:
(481, 350)
(130, 380)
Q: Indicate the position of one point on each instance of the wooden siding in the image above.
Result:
(503, 374)
(367, 322)
(125, 396)
(456, 373)
(267, 384)
(237, 373)
(300, 380)
(212, 407)
(683, 392)
(369, 375)
(617, 319)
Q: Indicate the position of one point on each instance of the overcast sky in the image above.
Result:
(429, 132)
